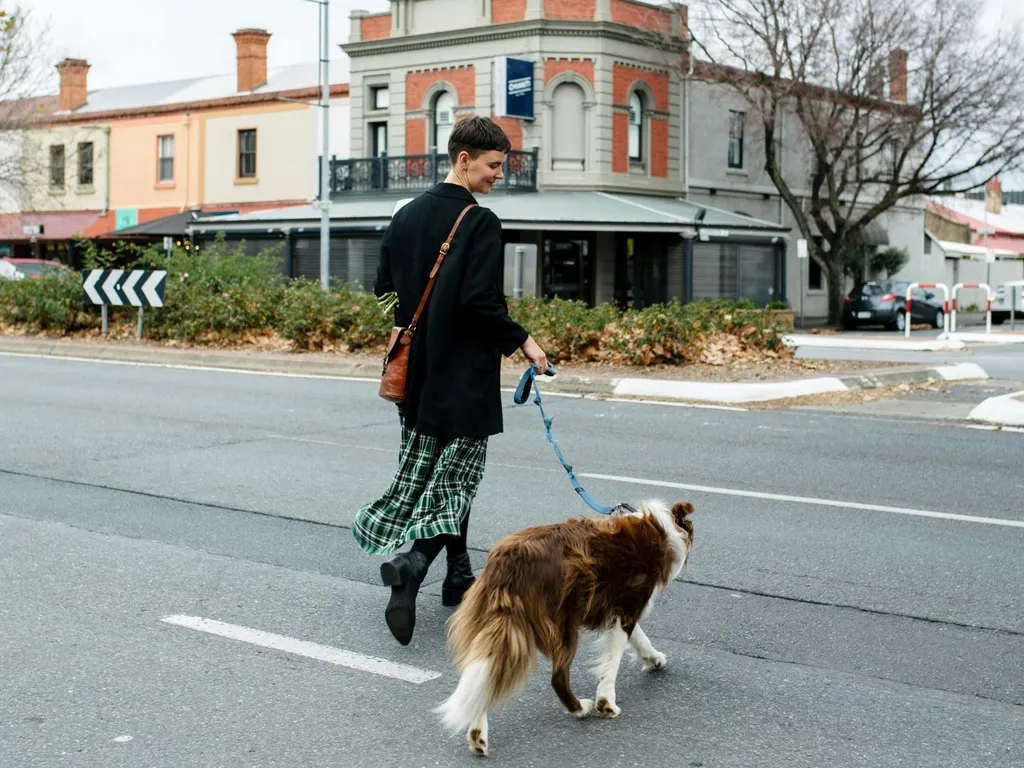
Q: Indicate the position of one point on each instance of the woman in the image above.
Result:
(453, 403)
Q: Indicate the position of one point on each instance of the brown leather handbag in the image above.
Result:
(394, 377)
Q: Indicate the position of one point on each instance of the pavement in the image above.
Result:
(852, 599)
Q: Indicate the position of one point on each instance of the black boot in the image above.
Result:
(403, 574)
(460, 578)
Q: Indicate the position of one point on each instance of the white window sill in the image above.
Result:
(737, 172)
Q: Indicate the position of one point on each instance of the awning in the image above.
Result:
(551, 211)
(175, 225)
(56, 225)
(972, 252)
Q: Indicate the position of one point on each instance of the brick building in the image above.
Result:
(590, 93)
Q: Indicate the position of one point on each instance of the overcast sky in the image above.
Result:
(146, 41)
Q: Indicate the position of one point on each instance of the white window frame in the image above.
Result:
(165, 154)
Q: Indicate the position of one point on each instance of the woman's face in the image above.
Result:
(483, 172)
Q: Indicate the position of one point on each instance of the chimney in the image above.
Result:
(252, 58)
(684, 22)
(74, 90)
(994, 195)
(898, 75)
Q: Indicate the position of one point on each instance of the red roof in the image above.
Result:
(57, 225)
(1015, 244)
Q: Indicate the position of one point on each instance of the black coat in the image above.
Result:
(455, 360)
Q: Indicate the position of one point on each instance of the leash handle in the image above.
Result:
(526, 382)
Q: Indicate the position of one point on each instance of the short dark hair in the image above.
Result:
(476, 135)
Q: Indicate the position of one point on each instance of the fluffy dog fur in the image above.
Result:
(540, 587)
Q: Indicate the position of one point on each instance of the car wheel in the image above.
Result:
(901, 321)
(940, 319)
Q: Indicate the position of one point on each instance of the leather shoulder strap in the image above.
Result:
(437, 265)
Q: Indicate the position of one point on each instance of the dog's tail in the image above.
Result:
(494, 648)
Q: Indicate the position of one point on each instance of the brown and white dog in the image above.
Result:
(540, 587)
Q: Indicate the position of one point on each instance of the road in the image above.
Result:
(853, 598)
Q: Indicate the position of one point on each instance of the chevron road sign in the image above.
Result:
(136, 288)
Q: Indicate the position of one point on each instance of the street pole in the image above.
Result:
(325, 143)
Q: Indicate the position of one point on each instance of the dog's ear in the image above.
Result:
(680, 510)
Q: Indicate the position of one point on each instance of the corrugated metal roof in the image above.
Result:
(287, 78)
(550, 210)
(1010, 219)
(963, 249)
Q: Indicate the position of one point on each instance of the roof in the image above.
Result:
(201, 89)
(552, 210)
(57, 225)
(1010, 219)
(965, 250)
(175, 224)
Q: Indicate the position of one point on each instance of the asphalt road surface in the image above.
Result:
(180, 586)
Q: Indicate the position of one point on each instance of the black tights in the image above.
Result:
(456, 545)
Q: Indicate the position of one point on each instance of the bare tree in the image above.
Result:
(895, 99)
(23, 76)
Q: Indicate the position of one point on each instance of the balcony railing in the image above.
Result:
(415, 173)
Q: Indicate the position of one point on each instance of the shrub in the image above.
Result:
(51, 303)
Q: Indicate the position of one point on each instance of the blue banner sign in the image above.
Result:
(513, 88)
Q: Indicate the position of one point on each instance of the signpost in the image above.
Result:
(138, 288)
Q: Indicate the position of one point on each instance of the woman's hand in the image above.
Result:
(535, 354)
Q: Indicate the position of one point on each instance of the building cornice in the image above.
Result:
(534, 27)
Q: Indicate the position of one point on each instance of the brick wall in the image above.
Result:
(513, 128)
(570, 9)
(582, 67)
(620, 142)
(504, 11)
(659, 147)
(463, 79)
(623, 76)
(641, 16)
(375, 27)
(416, 136)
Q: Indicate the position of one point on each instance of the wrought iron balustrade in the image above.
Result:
(415, 173)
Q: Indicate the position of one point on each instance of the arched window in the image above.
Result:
(569, 123)
(444, 119)
(636, 127)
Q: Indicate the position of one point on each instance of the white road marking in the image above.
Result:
(806, 500)
(316, 651)
(187, 367)
(711, 489)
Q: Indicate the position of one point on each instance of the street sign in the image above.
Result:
(137, 288)
(801, 248)
(32, 230)
(513, 87)
(990, 256)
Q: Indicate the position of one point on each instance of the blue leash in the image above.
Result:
(522, 392)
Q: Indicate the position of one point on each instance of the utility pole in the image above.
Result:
(325, 154)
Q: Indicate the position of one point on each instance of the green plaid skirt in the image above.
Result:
(430, 494)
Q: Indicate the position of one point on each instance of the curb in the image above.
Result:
(659, 389)
(997, 337)
(860, 342)
(1007, 410)
(755, 392)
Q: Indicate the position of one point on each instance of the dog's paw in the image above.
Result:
(586, 707)
(654, 660)
(477, 742)
(606, 708)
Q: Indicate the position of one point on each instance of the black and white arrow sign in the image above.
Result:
(137, 288)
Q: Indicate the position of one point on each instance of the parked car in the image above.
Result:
(36, 268)
(1001, 302)
(883, 302)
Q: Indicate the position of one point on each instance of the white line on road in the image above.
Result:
(807, 500)
(710, 489)
(316, 651)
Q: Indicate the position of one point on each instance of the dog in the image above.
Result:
(540, 587)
